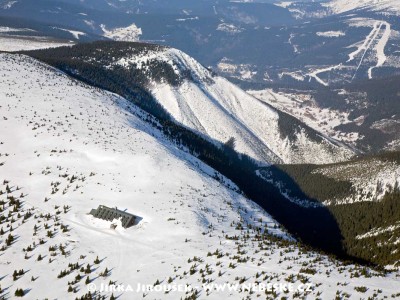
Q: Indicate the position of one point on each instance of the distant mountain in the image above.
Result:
(382, 6)
(287, 43)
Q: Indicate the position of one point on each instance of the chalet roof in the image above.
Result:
(121, 212)
(109, 214)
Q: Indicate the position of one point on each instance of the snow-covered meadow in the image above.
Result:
(18, 43)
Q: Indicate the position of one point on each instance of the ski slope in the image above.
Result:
(65, 148)
(375, 41)
(369, 53)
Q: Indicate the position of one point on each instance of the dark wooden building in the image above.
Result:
(109, 214)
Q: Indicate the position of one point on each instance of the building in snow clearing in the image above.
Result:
(109, 214)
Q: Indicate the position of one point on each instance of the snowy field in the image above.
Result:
(18, 43)
(65, 148)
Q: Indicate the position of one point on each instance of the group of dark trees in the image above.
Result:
(382, 245)
(303, 182)
(353, 219)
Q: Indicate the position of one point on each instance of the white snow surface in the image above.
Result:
(18, 43)
(12, 29)
(331, 34)
(76, 34)
(65, 148)
(229, 28)
(213, 106)
(52, 126)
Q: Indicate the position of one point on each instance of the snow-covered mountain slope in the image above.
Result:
(384, 6)
(368, 179)
(371, 178)
(65, 144)
(304, 107)
(213, 106)
(65, 148)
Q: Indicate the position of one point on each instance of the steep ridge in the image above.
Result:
(217, 108)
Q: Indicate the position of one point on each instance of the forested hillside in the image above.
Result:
(363, 196)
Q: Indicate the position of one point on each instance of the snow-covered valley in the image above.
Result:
(66, 147)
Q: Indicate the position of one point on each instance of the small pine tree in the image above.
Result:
(87, 281)
(87, 271)
(97, 261)
(9, 240)
(230, 143)
(15, 275)
(19, 293)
